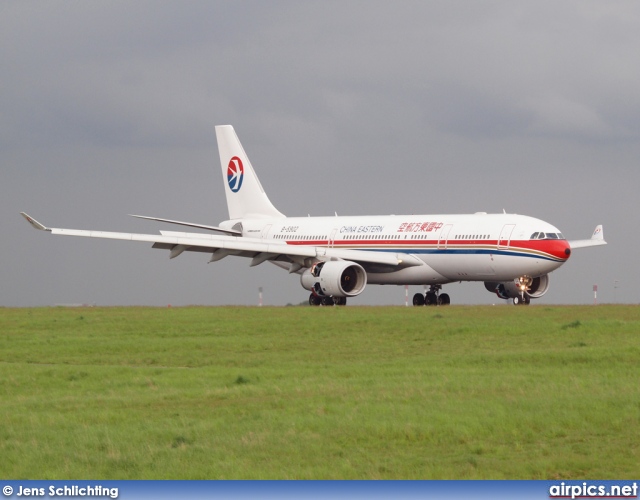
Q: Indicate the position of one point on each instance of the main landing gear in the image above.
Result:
(432, 298)
(316, 300)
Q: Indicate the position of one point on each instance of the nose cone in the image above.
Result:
(557, 253)
(567, 249)
(558, 250)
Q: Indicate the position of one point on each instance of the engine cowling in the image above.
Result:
(510, 289)
(336, 278)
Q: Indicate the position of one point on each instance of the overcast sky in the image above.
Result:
(108, 108)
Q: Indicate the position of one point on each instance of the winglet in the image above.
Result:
(34, 222)
(598, 233)
(597, 238)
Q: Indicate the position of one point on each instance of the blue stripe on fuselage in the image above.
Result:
(444, 251)
(466, 251)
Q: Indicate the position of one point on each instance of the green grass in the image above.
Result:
(320, 393)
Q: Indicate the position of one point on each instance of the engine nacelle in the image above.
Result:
(510, 289)
(335, 278)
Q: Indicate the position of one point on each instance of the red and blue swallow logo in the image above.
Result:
(235, 174)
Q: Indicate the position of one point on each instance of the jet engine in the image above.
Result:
(336, 278)
(533, 288)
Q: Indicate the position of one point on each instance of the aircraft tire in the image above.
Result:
(328, 301)
(430, 299)
(418, 299)
(444, 299)
(314, 300)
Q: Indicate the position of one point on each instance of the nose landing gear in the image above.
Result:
(524, 285)
(521, 300)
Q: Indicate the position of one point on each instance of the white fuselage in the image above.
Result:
(475, 247)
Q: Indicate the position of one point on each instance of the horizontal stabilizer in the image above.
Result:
(191, 224)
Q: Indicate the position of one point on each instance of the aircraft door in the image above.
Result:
(265, 231)
(505, 235)
(444, 236)
(332, 237)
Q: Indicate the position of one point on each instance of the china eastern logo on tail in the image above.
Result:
(235, 174)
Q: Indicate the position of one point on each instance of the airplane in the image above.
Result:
(336, 257)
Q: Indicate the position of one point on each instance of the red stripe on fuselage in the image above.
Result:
(554, 248)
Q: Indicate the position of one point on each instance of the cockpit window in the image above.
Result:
(547, 236)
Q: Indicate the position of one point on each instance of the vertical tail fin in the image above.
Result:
(245, 195)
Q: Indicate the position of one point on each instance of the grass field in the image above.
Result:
(320, 393)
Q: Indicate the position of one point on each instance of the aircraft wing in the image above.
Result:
(257, 249)
(597, 238)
